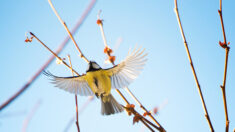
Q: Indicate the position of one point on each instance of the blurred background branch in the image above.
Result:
(30, 115)
(59, 49)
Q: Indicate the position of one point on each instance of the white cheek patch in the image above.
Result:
(87, 68)
(95, 66)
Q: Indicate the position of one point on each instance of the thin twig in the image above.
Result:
(143, 121)
(123, 97)
(142, 106)
(76, 99)
(71, 36)
(53, 53)
(116, 46)
(101, 29)
(226, 47)
(134, 112)
(130, 109)
(30, 116)
(192, 67)
(154, 111)
(151, 123)
(100, 24)
(62, 45)
(90, 98)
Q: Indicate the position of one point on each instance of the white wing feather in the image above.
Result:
(76, 84)
(128, 70)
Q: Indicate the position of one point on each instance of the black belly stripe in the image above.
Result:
(96, 82)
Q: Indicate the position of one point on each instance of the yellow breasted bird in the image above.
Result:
(99, 81)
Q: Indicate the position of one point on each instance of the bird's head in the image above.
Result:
(93, 66)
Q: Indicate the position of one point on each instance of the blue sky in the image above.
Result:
(152, 25)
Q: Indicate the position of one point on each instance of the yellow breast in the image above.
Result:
(99, 81)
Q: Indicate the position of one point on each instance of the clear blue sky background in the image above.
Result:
(167, 74)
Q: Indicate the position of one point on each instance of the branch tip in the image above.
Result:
(98, 14)
(99, 22)
(27, 38)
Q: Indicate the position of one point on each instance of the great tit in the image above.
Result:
(98, 81)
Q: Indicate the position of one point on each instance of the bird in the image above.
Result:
(99, 82)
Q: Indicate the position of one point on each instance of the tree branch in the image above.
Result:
(226, 47)
(66, 28)
(112, 59)
(192, 67)
(53, 53)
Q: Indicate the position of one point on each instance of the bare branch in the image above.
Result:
(100, 24)
(226, 47)
(53, 53)
(142, 107)
(108, 52)
(71, 36)
(192, 67)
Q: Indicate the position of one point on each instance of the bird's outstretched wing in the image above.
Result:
(76, 84)
(124, 73)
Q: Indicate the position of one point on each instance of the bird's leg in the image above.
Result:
(97, 95)
(102, 94)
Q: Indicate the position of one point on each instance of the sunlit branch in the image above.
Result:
(100, 24)
(71, 36)
(226, 47)
(154, 111)
(134, 112)
(192, 67)
(142, 106)
(143, 121)
(53, 53)
(108, 52)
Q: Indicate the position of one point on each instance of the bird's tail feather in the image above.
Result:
(109, 105)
